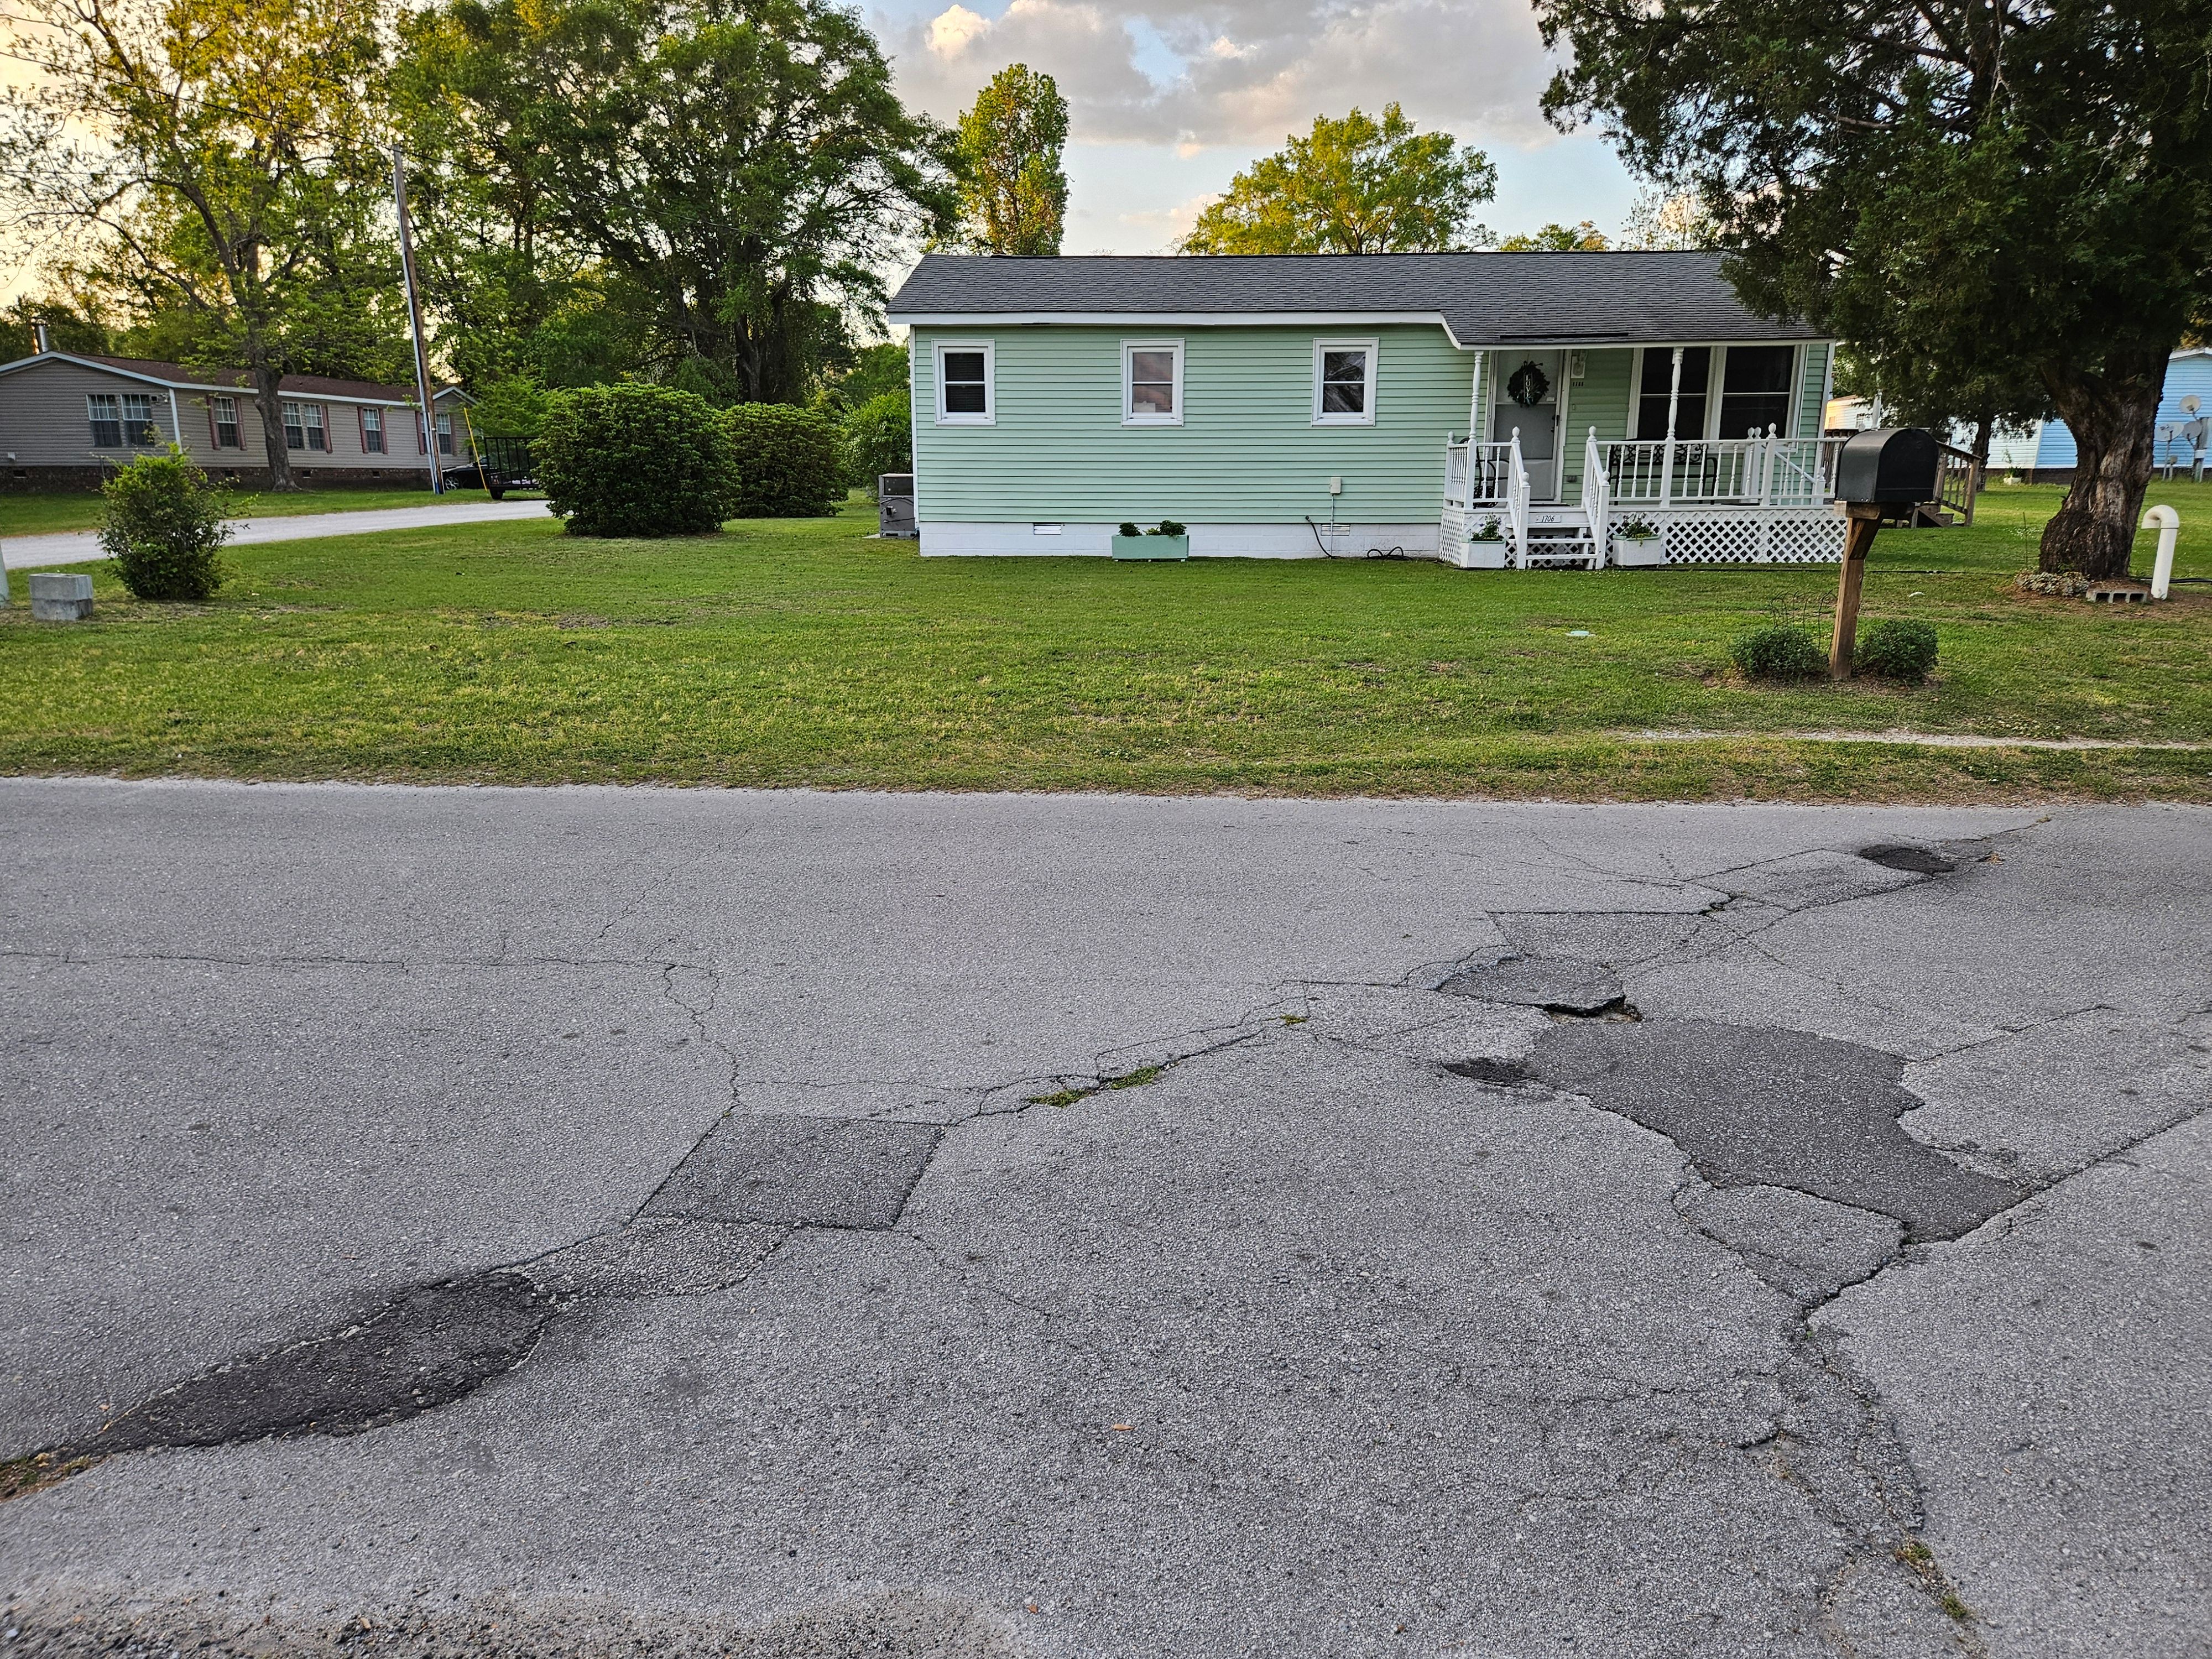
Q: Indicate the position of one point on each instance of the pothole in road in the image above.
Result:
(1558, 984)
(1916, 860)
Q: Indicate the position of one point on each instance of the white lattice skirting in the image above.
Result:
(1811, 535)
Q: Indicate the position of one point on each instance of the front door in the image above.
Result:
(1526, 397)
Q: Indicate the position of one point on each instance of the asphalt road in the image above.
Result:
(82, 546)
(604, 1222)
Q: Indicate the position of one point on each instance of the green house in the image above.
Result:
(1485, 409)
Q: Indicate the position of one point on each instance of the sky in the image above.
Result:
(1169, 100)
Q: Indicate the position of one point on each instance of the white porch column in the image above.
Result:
(1474, 401)
(1666, 456)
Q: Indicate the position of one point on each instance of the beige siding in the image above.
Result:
(43, 419)
(44, 422)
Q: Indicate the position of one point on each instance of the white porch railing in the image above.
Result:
(1516, 498)
(1768, 471)
(1597, 502)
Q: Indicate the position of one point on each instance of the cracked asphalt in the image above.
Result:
(601, 1222)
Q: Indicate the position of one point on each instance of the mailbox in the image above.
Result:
(1890, 466)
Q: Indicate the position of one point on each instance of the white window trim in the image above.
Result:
(1717, 378)
(990, 414)
(1374, 350)
(1129, 416)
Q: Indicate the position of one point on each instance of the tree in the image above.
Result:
(1356, 186)
(736, 172)
(218, 164)
(1986, 188)
(1583, 238)
(1658, 219)
(1917, 392)
(1013, 195)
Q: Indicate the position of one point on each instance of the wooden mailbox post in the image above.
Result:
(1889, 467)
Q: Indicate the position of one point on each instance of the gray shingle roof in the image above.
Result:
(1485, 299)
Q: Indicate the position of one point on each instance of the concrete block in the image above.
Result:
(60, 597)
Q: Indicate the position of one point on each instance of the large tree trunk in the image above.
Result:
(1985, 424)
(2114, 416)
(269, 398)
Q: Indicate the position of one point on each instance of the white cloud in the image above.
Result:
(1250, 71)
(950, 31)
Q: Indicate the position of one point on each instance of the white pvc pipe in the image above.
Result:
(2167, 523)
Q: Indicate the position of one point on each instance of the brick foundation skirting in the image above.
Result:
(25, 479)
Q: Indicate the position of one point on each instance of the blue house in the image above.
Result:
(2047, 455)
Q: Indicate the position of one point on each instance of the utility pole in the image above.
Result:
(415, 321)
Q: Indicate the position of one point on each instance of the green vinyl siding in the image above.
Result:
(1248, 451)
(1599, 399)
(1811, 414)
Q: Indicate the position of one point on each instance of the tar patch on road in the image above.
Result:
(1558, 984)
(1917, 860)
(1780, 1107)
(427, 1347)
(799, 1172)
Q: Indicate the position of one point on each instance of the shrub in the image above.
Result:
(792, 461)
(1778, 651)
(1896, 650)
(164, 526)
(880, 439)
(636, 460)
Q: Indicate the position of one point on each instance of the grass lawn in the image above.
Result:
(37, 513)
(796, 651)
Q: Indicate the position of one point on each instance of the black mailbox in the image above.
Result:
(1889, 466)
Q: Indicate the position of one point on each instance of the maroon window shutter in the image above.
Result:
(214, 440)
(361, 421)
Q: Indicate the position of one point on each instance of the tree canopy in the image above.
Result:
(733, 174)
(1583, 238)
(1982, 188)
(1353, 186)
(216, 165)
(1013, 194)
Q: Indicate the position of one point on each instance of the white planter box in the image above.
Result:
(1651, 550)
(1485, 555)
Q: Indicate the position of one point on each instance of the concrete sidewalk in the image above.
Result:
(563, 1223)
(82, 546)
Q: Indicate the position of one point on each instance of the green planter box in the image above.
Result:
(1151, 547)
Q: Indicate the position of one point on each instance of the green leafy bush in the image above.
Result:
(792, 461)
(636, 460)
(1896, 650)
(880, 439)
(164, 526)
(1778, 651)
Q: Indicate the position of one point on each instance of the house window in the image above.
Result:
(965, 395)
(138, 420)
(1755, 390)
(1151, 383)
(303, 427)
(224, 412)
(445, 432)
(100, 408)
(1658, 377)
(372, 431)
(1344, 383)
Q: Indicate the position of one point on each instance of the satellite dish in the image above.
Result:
(2190, 405)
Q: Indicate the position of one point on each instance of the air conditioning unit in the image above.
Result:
(895, 505)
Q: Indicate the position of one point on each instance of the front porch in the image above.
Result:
(1705, 501)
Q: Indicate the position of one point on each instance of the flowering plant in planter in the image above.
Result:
(1488, 530)
(1636, 530)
